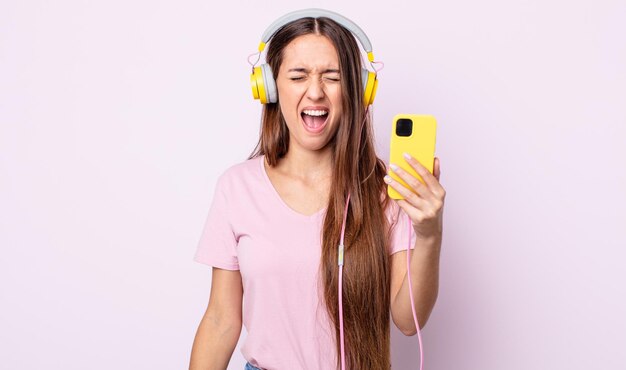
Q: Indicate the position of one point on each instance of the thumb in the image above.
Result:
(437, 168)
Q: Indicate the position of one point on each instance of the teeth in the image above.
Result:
(315, 112)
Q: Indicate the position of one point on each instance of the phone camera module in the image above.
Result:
(404, 127)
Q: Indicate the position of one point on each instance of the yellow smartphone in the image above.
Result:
(414, 134)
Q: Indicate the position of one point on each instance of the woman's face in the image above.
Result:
(309, 91)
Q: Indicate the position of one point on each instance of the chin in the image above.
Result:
(313, 144)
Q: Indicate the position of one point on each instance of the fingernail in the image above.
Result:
(406, 155)
(387, 179)
(393, 167)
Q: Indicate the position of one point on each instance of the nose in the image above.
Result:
(315, 90)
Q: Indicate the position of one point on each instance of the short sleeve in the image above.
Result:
(218, 244)
(400, 228)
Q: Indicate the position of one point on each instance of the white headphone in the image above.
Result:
(262, 79)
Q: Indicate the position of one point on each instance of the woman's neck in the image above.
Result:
(307, 165)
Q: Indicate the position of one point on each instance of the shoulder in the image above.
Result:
(242, 173)
(392, 211)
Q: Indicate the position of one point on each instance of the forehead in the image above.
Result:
(310, 51)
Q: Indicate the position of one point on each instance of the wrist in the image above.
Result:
(430, 243)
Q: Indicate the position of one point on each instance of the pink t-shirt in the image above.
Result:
(277, 251)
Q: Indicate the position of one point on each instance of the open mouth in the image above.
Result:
(314, 119)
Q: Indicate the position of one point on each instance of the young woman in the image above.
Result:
(274, 226)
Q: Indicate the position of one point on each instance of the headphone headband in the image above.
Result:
(316, 13)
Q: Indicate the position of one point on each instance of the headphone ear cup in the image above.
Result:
(263, 84)
(257, 84)
(271, 92)
(374, 88)
(370, 84)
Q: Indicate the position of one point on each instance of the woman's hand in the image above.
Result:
(423, 202)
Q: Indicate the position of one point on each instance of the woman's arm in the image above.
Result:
(220, 327)
(424, 281)
(423, 204)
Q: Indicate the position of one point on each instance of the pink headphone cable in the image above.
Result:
(340, 263)
(408, 271)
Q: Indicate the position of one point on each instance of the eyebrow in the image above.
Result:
(306, 70)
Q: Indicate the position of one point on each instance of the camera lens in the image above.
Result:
(404, 127)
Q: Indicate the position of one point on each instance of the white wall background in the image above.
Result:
(117, 116)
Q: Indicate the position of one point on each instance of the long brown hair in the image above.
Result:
(358, 171)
